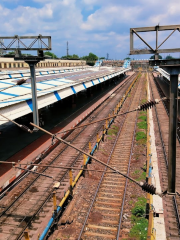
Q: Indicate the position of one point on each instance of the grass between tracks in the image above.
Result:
(141, 137)
(113, 130)
(140, 224)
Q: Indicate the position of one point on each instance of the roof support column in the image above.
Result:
(34, 93)
(173, 95)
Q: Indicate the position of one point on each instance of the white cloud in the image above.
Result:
(109, 15)
(105, 29)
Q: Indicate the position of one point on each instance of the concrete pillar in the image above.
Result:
(73, 97)
(173, 95)
(89, 92)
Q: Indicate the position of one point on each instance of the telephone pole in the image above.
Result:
(67, 49)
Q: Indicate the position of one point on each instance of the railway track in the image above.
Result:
(161, 122)
(166, 103)
(109, 198)
(29, 203)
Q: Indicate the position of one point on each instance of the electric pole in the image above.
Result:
(67, 49)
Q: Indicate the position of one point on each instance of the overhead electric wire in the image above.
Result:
(145, 186)
(23, 127)
(141, 107)
(51, 166)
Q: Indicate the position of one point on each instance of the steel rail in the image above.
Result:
(49, 196)
(22, 177)
(99, 184)
(79, 154)
(124, 195)
(91, 156)
(45, 200)
(177, 212)
(160, 132)
(50, 166)
(166, 107)
(87, 154)
(45, 169)
(123, 84)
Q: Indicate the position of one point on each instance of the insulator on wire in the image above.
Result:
(20, 82)
(148, 105)
(149, 188)
(25, 128)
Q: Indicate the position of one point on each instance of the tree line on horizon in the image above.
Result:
(89, 58)
(160, 57)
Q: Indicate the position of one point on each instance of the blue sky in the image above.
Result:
(94, 26)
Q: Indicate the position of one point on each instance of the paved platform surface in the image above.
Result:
(159, 223)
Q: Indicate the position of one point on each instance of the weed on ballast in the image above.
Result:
(141, 137)
(136, 171)
(143, 100)
(142, 125)
(113, 130)
(109, 138)
(139, 230)
(103, 151)
(143, 117)
(138, 207)
(139, 175)
(140, 224)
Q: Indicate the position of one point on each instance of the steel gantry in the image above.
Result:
(173, 67)
(7, 43)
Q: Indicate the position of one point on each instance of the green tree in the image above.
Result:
(90, 57)
(73, 57)
(12, 53)
(102, 58)
(51, 54)
(64, 57)
(153, 57)
(169, 57)
(127, 58)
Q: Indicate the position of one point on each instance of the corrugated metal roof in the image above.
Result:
(52, 86)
